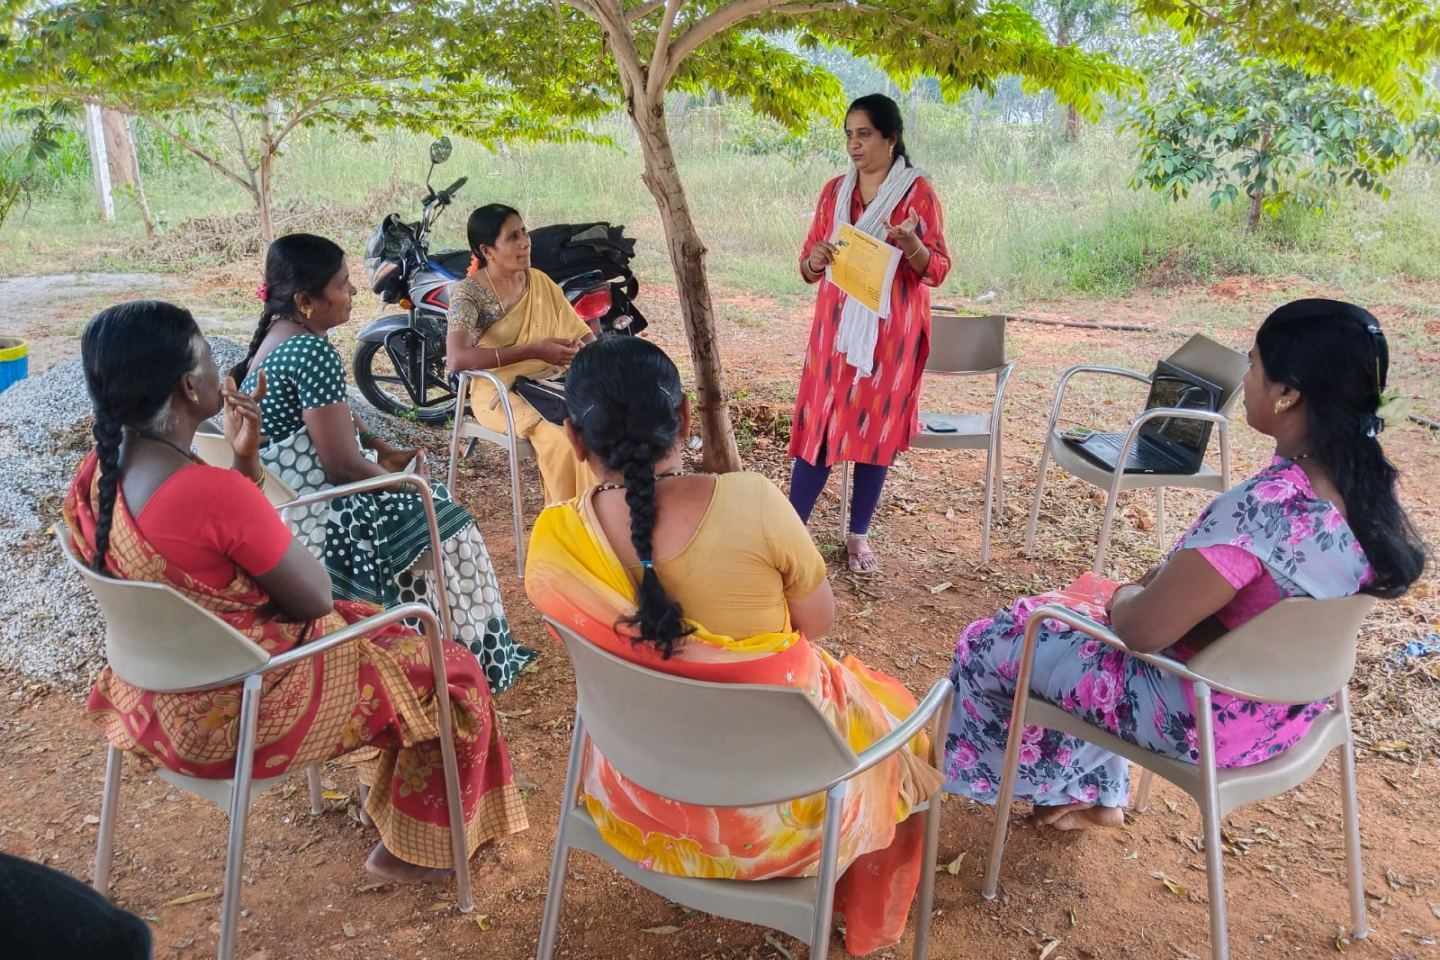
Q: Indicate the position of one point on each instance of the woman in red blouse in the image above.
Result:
(860, 391)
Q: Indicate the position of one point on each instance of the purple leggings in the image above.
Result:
(807, 480)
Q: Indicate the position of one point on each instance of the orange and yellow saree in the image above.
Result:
(573, 576)
(375, 692)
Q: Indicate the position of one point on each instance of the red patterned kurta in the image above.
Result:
(839, 415)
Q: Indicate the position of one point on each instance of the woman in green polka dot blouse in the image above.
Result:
(369, 541)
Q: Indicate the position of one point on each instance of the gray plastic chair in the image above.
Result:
(1299, 651)
(961, 346)
(648, 724)
(1200, 355)
(468, 428)
(157, 640)
(214, 449)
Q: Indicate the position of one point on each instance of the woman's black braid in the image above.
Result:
(108, 434)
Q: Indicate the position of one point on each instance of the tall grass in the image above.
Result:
(1028, 215)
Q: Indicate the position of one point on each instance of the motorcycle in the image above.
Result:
(399, 362)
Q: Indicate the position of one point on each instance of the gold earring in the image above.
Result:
(194, 398)
(1281, 406)
(306, 311)
(892, 151)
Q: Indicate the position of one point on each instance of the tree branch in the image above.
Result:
(244, 151)
(707, 27)
(655, 82)
(210, 161)
(644, 10)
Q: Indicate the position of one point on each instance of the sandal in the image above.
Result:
(859, 558)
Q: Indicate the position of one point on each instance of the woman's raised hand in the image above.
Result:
(242, 417)
(558, 351)
(903, 234)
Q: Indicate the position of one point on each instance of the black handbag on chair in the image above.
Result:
(546, 396)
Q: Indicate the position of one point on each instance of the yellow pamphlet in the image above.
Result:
(864, 267)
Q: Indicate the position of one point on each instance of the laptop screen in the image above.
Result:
(1170, 388)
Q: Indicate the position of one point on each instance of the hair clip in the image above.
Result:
(262, 293)
(647, 564)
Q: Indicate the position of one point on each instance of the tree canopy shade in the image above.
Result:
(1266, 131)
(1386, 46)
(261, 70)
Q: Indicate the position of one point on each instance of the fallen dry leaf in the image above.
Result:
(953, 867)
(1179, 889)
(91, 819)
(191, 898)
(1048, 949)
(348, 929)
(335, 795)
(663, 931)
(941, 587)
(482, 921)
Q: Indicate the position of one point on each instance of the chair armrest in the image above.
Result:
(329, 641)
(386, 481)
(1063, 384)
(1158, 412)
(911, 726)
(1105, 635)
(501, 391)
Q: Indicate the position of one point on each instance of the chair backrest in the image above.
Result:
(1215, 362)
(716, 744)
(1298, 651)
(157, 640)
(215, 450)
(960, 344)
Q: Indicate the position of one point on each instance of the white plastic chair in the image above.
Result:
(1299, 651)
(468, 428)
(1200, 355)
(659, 731)
(158, 640)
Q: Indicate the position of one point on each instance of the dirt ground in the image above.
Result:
(1099, 894)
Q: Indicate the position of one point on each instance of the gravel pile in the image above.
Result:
(50, 626)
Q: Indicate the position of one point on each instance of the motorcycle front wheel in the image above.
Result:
(383, 385)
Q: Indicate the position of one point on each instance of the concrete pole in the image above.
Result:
(99, 161)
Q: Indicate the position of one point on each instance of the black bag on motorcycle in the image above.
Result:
(546, 396)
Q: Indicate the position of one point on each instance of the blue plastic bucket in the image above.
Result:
(14, 361)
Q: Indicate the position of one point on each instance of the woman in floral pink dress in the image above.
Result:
(1321, 520)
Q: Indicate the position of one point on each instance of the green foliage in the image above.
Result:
(1386, 46)
(22, 157)
(1265, 131)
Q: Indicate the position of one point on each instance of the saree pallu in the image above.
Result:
(374, 692)
(541, 313)
(573, 576)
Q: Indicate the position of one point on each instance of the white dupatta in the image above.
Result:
(859, 325)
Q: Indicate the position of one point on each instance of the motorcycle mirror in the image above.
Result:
(440, 150)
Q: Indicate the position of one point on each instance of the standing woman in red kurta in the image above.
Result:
(860, 392)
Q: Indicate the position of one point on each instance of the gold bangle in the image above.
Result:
(497, 358)
(260, 480)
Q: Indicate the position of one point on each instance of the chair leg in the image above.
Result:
(1210, 813)
(1142, 793)
(1008, 772)
(515, 505)
(555, 895)
(999, 470)
(312, 784)
(990, 458)
(239, 814)
(454, 803)
(1039, 494)
(926, 901)
(844, 500)
(828, 874)
(1354, 872)
(105, 842)
(1103, 543)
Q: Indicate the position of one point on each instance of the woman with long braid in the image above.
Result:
(143, 508)
(715, 578)
(370, 541)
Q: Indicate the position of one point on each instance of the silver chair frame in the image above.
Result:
(244, 788)
(1216, 791)
(465, 426)
(1119, 480)
(576, 830)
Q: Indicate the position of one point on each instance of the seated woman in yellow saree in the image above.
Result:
(715, 578)
(511, 319)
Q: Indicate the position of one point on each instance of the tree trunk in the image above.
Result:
(1072, 123)
(975, 107)
(1257, 191)
(687, 257)
(263, 181)
(125, 162)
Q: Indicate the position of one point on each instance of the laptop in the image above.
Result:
(1165, 444)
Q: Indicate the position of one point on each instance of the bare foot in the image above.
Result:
(858, 555)
(385, 865)
(1079, 816)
